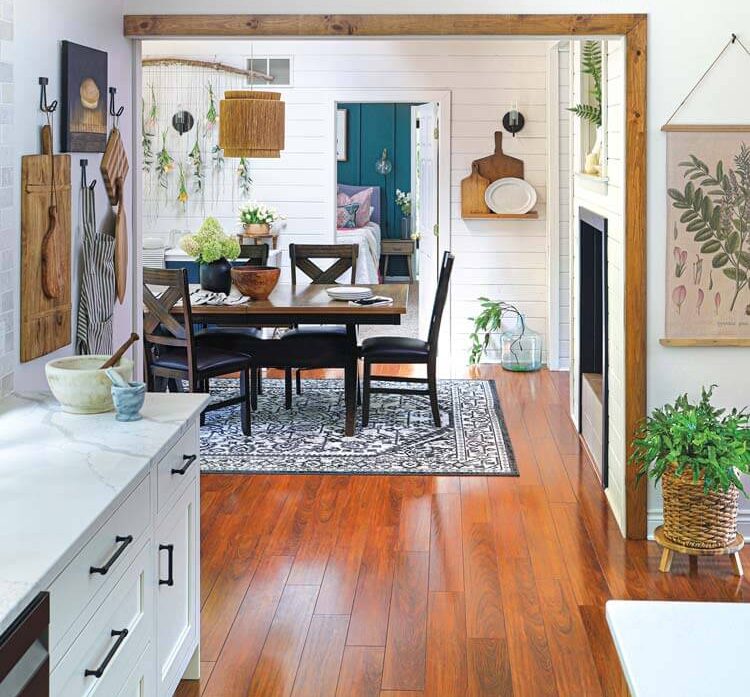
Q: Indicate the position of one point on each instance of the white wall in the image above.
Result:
(8, 178)
(501, 259)
(40, 25)
(564, 148)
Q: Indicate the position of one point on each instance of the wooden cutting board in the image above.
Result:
(472, 192)
(114, 165)
(45, 320)
(499, 165)
(121, 246)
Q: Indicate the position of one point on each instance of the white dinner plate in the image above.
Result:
(510, 195)
(349, 293)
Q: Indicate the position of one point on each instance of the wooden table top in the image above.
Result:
(311, 299)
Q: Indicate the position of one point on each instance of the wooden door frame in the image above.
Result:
(632, 27)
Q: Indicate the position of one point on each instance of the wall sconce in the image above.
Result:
(513, 121)
(383, 165)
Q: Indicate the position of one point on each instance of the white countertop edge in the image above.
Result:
(13, 600)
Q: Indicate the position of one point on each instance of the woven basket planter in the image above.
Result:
(696, 519)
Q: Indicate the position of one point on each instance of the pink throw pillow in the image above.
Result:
(364, 200)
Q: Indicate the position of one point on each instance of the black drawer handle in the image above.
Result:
(121, 634)
(123, 541)
(188, 460)
(170, 565)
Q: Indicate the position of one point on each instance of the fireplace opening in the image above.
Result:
(592, 366)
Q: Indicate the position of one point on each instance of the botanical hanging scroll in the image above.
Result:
(708, 233)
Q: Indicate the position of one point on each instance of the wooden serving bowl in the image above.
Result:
(256, 282)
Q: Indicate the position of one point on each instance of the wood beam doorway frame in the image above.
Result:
(631, 27)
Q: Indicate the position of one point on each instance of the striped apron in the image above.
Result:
(97, 301)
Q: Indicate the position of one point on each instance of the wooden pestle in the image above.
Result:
(117, 355)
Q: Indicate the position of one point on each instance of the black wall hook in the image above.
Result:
(734, 37)
(118, 113)
(84, 164)
(43, 105)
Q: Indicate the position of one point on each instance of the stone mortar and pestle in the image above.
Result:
(128, 397)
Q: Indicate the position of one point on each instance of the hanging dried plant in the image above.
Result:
(182, 194)
(164, 163)
(212, 115)
(153, 112)
(245, 180)
(196, 162)
(147, 141)
(217, 158)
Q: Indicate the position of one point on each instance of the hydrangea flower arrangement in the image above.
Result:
(254, 213)
(403, 201)
(210, 243)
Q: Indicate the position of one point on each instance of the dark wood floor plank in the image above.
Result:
(602, 650)
(541, 535)
(361, 671)
(369, 618)
(279, 660)
(505, 504)
(574, 666)
(446, 546)
(294, 516)
(404, 665)
(233, 671)
(447, 672)
(195, 688)
(484, 606)
(318, 672)
(414, 524)
(489, 668)
(552, 469)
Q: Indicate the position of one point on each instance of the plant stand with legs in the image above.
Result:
(669, 548)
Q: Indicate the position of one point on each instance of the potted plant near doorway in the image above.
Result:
(698, 452)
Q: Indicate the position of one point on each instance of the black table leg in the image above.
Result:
(350, 382)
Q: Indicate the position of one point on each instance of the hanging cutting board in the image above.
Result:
(121, 246)
(114, 165)
(472, 193)
(499, 165)
(45, 320)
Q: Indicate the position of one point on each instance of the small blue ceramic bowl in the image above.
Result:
(129, 400)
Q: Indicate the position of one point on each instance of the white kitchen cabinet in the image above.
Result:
(177, 605)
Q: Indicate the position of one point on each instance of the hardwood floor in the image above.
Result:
(377, 586)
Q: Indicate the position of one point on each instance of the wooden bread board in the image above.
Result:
(472, 193)
(45, 321)
(114, 165)
(499, 165)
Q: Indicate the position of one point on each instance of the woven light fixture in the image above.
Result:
(251, 124)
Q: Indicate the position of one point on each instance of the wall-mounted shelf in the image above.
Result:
(531, 215)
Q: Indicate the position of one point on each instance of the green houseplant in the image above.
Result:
(591, 110)
(697, 451)
(213, 250)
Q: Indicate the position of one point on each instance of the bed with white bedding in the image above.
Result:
(366, 236)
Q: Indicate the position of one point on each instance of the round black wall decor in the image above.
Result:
(182, 122)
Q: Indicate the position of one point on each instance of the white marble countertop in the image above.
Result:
(61, 476)
(688, 649)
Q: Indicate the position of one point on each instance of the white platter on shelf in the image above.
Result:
(349, 293)
(510, 195)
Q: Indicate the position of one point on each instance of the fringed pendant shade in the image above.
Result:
(251, 124)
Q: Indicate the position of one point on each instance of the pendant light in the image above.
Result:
(251, 123)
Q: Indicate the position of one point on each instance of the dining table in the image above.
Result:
(290, 304)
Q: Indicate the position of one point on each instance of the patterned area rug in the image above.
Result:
(400, 438)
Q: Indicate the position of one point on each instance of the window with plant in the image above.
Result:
(591, 65)
(709, 443)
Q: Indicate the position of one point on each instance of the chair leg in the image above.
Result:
(366, 394)
(298, 381)
(172, 385)
(254, 382)
(288, 388)
(432, 386)
(350, 396)
(245, 408)
(260, 381)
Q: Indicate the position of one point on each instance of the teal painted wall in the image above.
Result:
(370, 128)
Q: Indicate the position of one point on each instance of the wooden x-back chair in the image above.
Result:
(172, 352)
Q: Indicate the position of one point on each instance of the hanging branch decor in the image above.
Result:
(243, 175)
(196, 162)
(708, 218)
(164, 164)
(147, 141)
(212, 115)
(182, 194)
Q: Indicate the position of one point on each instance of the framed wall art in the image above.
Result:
(84, 99)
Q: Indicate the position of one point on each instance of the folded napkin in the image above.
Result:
(372, 301)
(207, 297)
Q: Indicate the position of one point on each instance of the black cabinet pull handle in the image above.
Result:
(188, 460)
(170, 566)
(121, 634)
(123, 541)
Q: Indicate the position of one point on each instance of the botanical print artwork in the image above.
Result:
(708, 255)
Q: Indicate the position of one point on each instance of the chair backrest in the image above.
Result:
(160, 326)
(256, 254)
(345, 256)
(441, 296)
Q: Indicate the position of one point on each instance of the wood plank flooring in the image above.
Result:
(377, 586)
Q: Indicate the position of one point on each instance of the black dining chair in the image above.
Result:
(304, 257)
(172, 351)
(410, 351)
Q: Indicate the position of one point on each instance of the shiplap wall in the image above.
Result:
(565, 162)
(499, 259)
(609, 203)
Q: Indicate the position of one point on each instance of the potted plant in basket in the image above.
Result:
(257, 218)
(518, 349)
(698, 452)
(213, 250)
